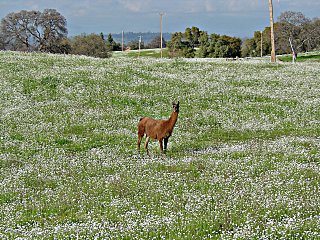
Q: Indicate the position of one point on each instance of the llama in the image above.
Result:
(160, 130)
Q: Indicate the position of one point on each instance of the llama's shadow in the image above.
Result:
(151, 157)
(176, 152)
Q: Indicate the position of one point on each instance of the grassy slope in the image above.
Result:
(243, 161)
(302, 57)
(154, 53)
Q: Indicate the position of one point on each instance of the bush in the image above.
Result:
(90, 45)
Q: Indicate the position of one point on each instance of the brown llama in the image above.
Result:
(160, 130)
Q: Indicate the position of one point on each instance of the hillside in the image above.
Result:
(243, 161)
(147, 37)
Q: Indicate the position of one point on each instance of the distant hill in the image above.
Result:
(147, 37)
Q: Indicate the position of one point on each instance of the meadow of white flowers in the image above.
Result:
(243, 161)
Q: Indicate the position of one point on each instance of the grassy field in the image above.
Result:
(155, 53)
(152, 53)
(302, 57)
(243, 161)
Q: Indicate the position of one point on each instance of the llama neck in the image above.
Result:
(173, 119)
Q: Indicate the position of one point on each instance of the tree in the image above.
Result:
(224, 46)
(179, 46)
(2, 42)
(294, 19)
(204, 44)
(64, 47)
(312, 35)
(234, 45)
(111, 44)
(90, 45)
(252, 47)
(102, 36)
(184, 44)
(156, 43)
(292, 25)
(134, 45)
(213, 39)
(51, 31)
(33, 30)
(304, 35)
(110, 40)
(175, 44)
(249, 48)
(192, 36)
(14, 29)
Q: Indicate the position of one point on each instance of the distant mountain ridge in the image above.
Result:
(146, 37)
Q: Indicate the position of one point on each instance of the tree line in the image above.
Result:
(293, 32)
(196, 43)
(47, 32)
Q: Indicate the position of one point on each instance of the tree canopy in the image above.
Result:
(303, 33)
(34, 31)
(156, 43)
(111, 44)
(90, 45)
(214, 45)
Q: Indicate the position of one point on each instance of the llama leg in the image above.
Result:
(165, 144)
(146, 144)
(139, 142)
(160, 143)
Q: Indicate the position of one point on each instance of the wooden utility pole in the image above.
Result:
(161, 14)
(140, 44)
(273, 48)
(122, 42)
(261, 43)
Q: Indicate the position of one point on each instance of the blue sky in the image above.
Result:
(232, 17)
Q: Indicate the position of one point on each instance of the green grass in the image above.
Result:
(154, 53)
(242, 163)
(314, 57)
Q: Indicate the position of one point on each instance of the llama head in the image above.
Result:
(175, 106)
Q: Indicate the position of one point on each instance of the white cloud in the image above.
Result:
(86, 7)
(135, 6)
(190, 6)
(209, 6)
